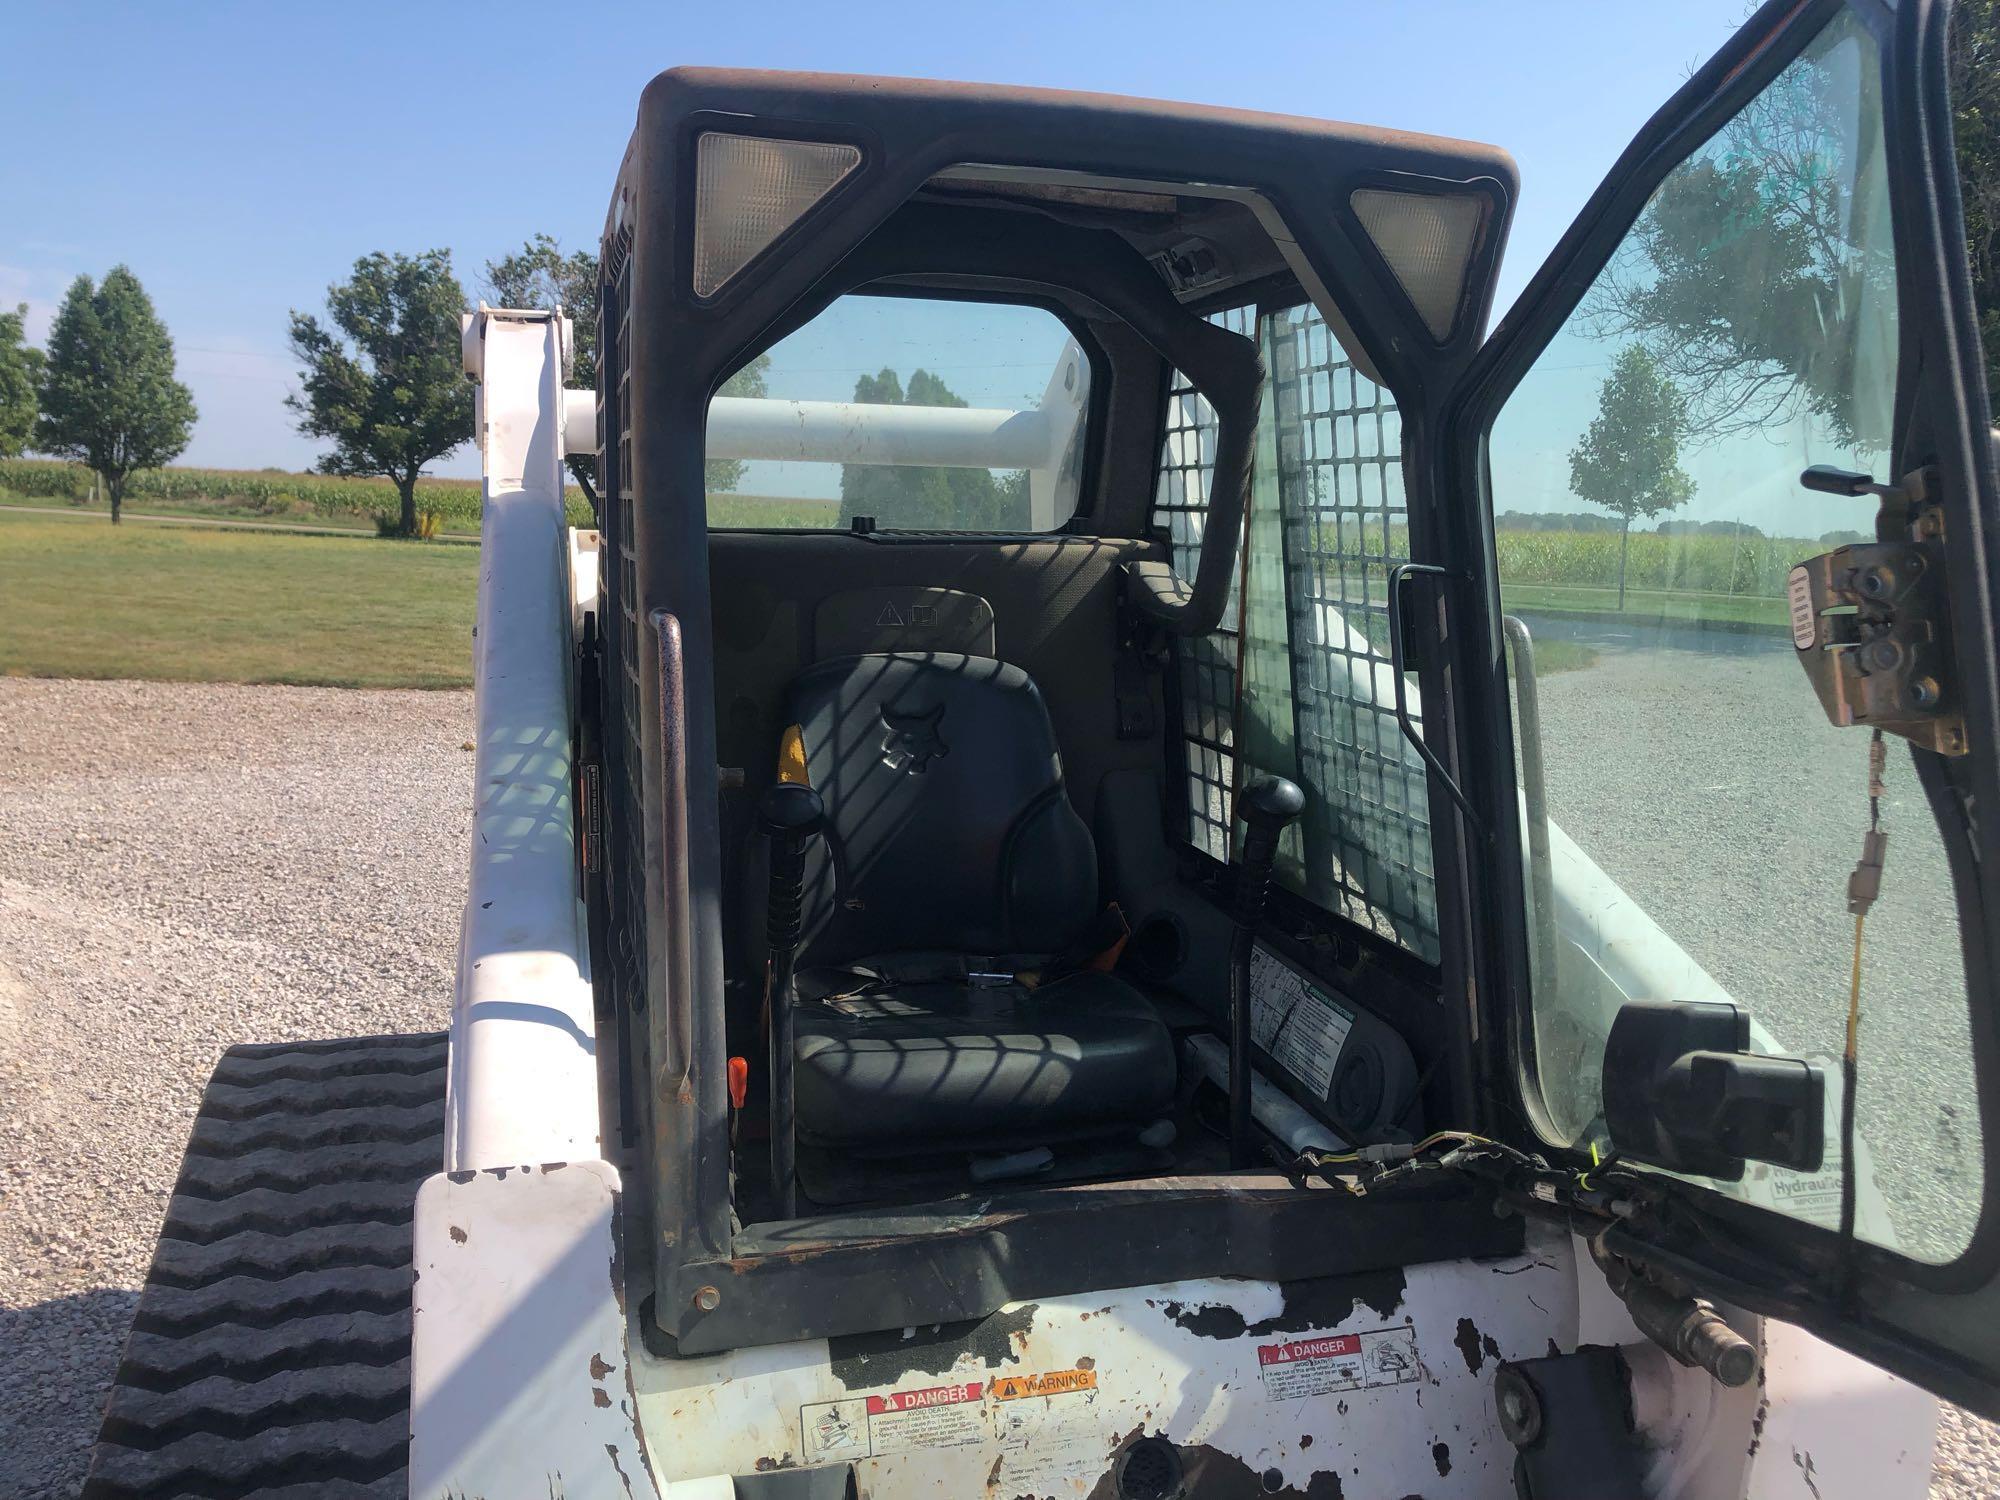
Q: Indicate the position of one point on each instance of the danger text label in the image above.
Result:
(1338, 1362)
(936, 1395)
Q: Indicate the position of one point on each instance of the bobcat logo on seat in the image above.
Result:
(911, 740)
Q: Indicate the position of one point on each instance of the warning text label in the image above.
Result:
(1338, 1362)
(1052, 1383)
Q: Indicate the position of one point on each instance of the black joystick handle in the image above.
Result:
(791, 816)
(1267, 806)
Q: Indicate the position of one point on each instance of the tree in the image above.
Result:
(399, 399)
(1973, 63)
(724, 474)
(1749, 273)
(1628, 461)
(20, 374)
(540, 275)
(109, 398)
(918, 496)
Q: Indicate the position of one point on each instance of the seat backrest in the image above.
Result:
(947, 825)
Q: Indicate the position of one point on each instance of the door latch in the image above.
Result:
(1870, 621)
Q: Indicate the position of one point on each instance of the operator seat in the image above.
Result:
(953, 875)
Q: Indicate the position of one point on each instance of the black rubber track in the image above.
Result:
(270, 1354)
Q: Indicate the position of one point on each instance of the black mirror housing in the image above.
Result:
(1682, 1090)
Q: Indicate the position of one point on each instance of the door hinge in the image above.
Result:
(1871, 621)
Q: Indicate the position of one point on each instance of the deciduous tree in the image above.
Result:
(1974, 63)
(919, 496)
(1747, 272)
(1628, 461)
(539, 274)
(385, 384)
(108, 397)
(20, 374)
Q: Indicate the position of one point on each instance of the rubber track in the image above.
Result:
(269, 1356)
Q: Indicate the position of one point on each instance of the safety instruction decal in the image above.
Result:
(1798, 594)
(1007, 1409)
(1294, 1021)
(1338, 1362)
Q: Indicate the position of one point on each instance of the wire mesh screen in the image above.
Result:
(622, 741)
(1206, 666)
(1335, 440)
(1340, 483)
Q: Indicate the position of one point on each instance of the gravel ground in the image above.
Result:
(185, 867)
(1779, 810)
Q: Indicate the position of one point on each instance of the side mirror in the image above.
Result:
(1682, 1090)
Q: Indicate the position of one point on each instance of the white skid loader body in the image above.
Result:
(531, 1375)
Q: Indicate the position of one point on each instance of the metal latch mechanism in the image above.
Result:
(1870, 621)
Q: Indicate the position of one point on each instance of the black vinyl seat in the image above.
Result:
(953, 871)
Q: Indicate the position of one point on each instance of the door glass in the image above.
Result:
(1701, 815)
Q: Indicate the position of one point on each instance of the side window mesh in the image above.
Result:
(1206, 667)
(1322, 677)
(621, 632)
(1340, 482)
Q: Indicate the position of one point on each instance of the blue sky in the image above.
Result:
(240, 157)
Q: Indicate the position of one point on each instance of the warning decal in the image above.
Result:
(1054, 1383)
(944, 1416)
(936, 1395)
(1338, 1362)
(1798, 593)
(1296, 1022)
(935, 1416)
(938, 1416)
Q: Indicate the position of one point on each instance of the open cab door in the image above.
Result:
(1731, 584)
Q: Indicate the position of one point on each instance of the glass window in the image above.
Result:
(912, 412)
(1326, 521)
(1702, 815)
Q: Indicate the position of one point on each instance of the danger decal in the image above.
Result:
(1297, 1368)
(937, 1395)
(937, 1416)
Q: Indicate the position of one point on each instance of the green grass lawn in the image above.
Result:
(85, 599)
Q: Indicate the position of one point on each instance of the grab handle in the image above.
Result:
(1398, 575)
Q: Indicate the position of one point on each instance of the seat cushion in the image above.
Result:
(908, 1068)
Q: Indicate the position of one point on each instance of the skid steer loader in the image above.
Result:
(1058, 908)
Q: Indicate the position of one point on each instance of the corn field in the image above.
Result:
(1734, 565)
(1739, 565)
(266, 492)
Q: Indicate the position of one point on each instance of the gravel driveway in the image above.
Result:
(184, 867)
